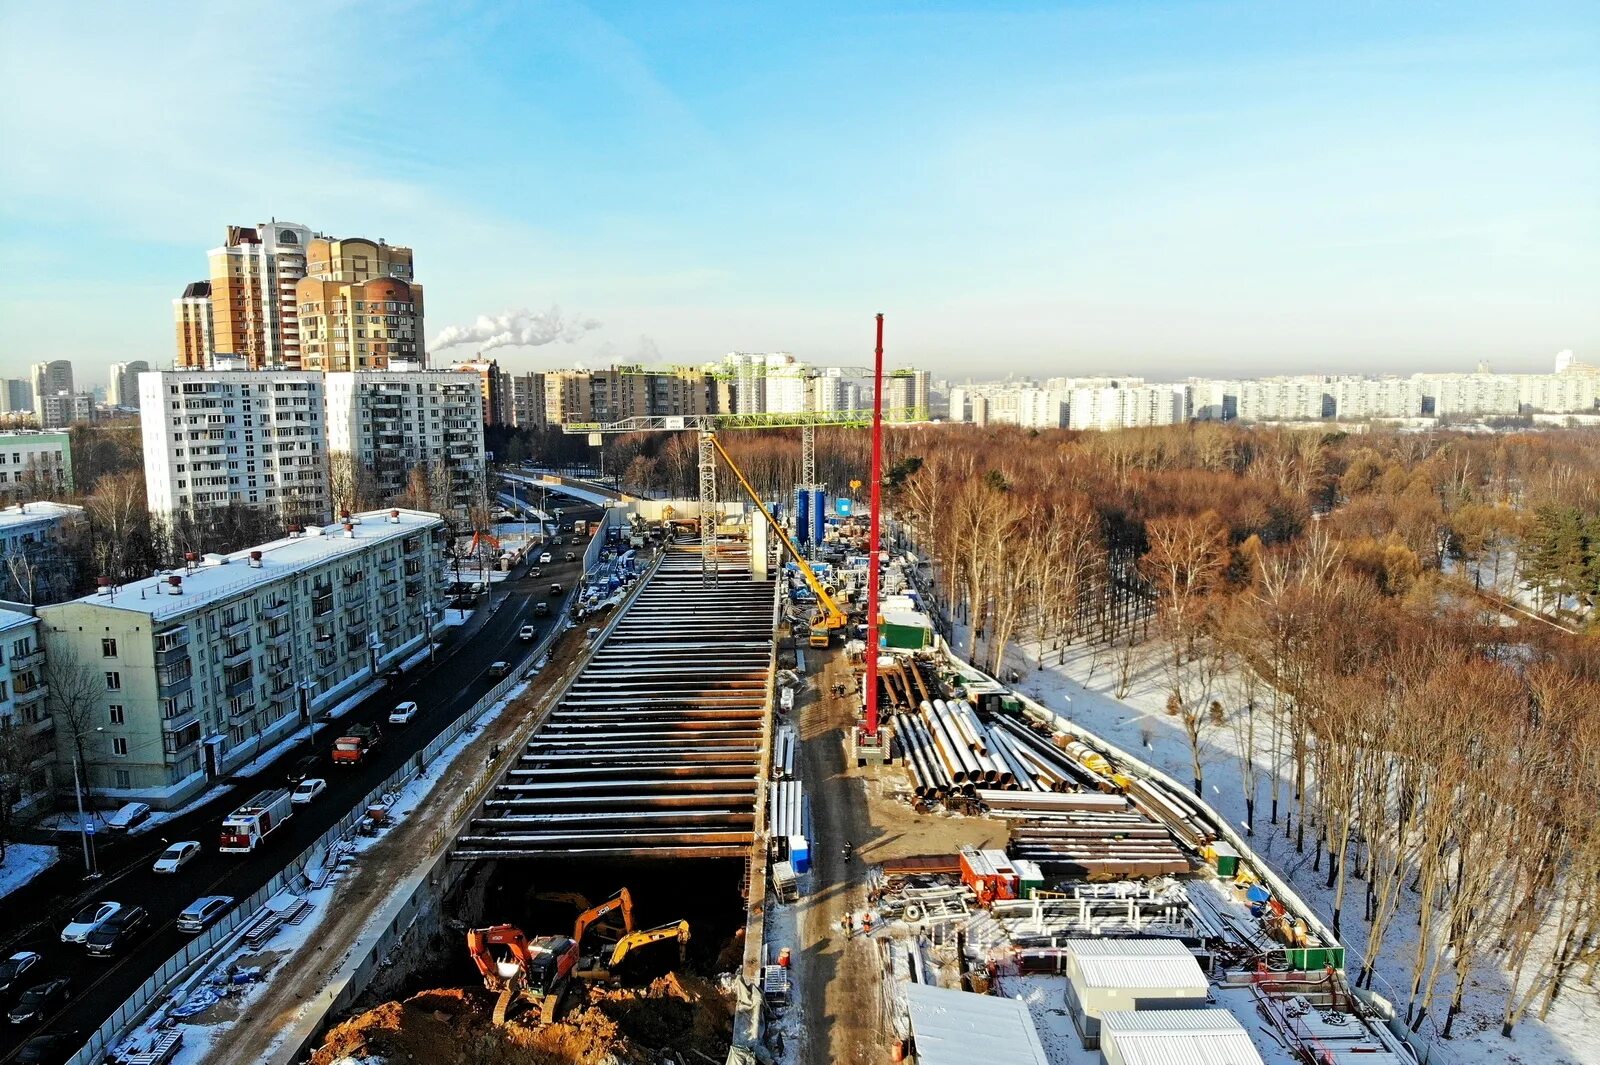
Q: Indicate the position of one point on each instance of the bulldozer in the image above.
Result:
(538, 970)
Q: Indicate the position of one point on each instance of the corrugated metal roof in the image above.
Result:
(1159, 963)
(950, 1027)
(1149, 1021)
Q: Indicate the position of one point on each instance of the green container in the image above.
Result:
(904, 637)
(1227, 860)
(1312, 959)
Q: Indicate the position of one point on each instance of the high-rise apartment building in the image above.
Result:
(57, 410)
(123, 388)
(199, 670)
(390, 422)
(16, 394)
(50, 379)
(191, 318)
(214, 438)
(906, 395)
(359, 306)
(491, 389)
(626, 392)
(252, 296)
(528, 401)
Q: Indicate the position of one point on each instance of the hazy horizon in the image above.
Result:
(1167, 190)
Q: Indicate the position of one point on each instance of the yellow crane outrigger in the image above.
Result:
(830, 618)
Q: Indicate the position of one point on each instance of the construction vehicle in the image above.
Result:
(829, 618)
(534, 971)
(539, 970)
(631, 942)
(353, 747)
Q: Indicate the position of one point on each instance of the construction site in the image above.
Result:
(773, 819)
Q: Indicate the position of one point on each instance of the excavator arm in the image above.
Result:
(622, 900)
(509, 936)
(629, 943)
(832, 617)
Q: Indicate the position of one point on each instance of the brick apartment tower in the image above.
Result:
(359, 306)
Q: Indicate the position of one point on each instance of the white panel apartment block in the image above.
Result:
(256, 438)
(198, 670)
(392, 421)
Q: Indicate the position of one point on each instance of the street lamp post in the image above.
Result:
(91, 869)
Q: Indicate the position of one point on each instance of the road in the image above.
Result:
(32, 918)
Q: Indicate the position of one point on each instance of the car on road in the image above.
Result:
(572, 556)
(476, 589)
(176, 856)
(307, 790)
(118, 932)
(129, 817)
(556, 589)
(45, 1050)
(527, 633)
(12, 971)
(88, 919)
(403, 713)
(395, 675)
(499, 668)
(202, 911)
(536, 572)
(541, 609)
(301, 768)
(41, 1000)
(544, 558)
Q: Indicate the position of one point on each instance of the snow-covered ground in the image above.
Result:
(24, 861)
(1081, 689)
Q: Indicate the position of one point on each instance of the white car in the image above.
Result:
(129, 817)
(544, 558)
(402, 714)
(88, 919)
(307, 790)
(527, 632)
(174, 857)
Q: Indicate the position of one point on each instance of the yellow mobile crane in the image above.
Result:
(830, 618)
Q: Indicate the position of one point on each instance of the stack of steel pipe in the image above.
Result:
(786, 810)
(931, 778)
(1044, 754)
(976, 737)
(965, 771)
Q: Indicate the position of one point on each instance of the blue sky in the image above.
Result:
(1049, 188)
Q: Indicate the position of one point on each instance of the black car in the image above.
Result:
(40, 1001)
(302, 767)
(12, 970)
(45, 1050)
(118, 932)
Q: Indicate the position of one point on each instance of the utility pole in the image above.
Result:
(874, 524)
(91, 870)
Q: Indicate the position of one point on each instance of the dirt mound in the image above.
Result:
(602, 1026)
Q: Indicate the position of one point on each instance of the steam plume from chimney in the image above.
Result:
(519, 328)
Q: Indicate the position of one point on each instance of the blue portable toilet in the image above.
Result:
(800, 853)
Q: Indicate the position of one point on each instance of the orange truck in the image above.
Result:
(353, 747)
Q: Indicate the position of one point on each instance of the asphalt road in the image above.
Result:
(32, 919)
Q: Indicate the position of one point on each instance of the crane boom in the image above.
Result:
(832, 616)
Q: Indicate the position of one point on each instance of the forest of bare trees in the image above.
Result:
(1299, 592)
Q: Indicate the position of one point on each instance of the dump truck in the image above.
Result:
(248, 826)
(354, 746)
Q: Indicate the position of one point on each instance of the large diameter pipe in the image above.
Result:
(1022, 779)
(942, 748)
(945, 731)
(942, 781)
(922, 779)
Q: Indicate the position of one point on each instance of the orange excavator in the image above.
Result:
(540, 970)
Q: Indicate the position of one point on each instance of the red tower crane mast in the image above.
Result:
(874, 525)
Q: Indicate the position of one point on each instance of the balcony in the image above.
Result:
(234, 624)
(322, 605)
(238, 687)
(174, 684)
(237, 655)
(274, 611)
(242, 707)
(179, 722)
(28, 697)
(168, 641)
(31, 658)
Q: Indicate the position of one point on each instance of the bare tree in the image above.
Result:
(75, 694)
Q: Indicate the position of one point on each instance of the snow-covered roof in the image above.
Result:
(1161, 963)
(952, 1027)
(11, 618)
(908, 618)
(218, 577)
(1177, 1037)
(37, 511)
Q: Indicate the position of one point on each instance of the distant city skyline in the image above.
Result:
(1165, 190)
